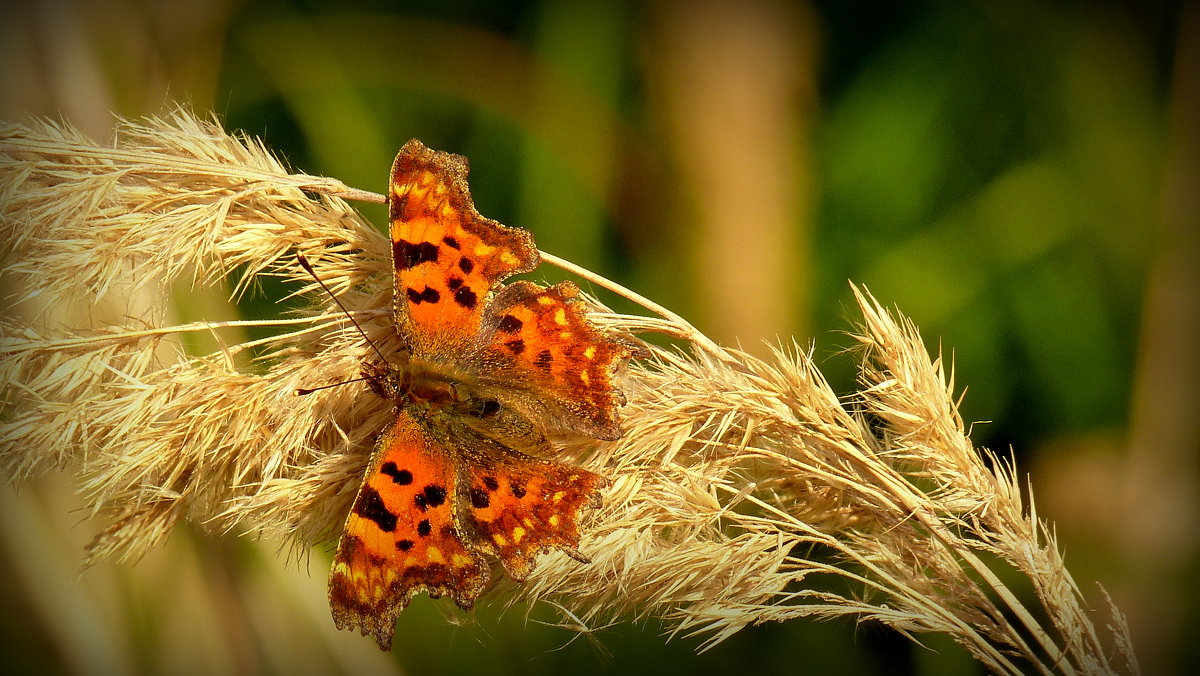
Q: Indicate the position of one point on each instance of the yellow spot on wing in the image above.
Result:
(435, 554)
(500, 539)
(585, 378)
(517, 534)
(545, 300)
(553, 520)
(560, 317)
(482, 249)
(590, 352)
(559, 496)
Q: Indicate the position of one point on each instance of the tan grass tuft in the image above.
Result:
(744, 490)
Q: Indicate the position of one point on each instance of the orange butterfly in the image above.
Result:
(487, 371)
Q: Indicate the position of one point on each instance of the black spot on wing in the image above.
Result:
(451, 242)
(435, 495)
(401, 477)
(509, 324)
(466, 265)
(407, 254)
(404, 545)
(465, 297)
(369, 505)
(424, 528)
(517, 346)
(490, 483)
(543, 360)
(429, 295)
(479, 499)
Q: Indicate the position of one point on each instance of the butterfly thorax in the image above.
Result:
(434, 390)
(414, 383)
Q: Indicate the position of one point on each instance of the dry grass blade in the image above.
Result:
(161, 434)
(744, 491)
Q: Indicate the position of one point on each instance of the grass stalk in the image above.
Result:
(744, 491)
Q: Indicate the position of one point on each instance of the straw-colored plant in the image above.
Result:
(744, 490)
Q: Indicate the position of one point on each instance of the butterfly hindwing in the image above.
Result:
(522, 506)
(544, 336)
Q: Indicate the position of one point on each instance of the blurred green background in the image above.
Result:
(1017, 177)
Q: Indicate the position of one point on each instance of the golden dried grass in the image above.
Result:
(744, 490)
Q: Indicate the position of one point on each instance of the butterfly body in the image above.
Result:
(488, 373)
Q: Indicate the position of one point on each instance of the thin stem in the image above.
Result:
(689, 332)
(174, 164)
(335, 188)
(332, 186)
(64, 343)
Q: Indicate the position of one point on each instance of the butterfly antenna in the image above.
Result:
(301, 391)
(308, 268)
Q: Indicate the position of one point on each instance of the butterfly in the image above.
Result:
(487, 374)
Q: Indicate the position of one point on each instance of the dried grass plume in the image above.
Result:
(744, 491)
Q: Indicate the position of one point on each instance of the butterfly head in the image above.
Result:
(413, 384)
